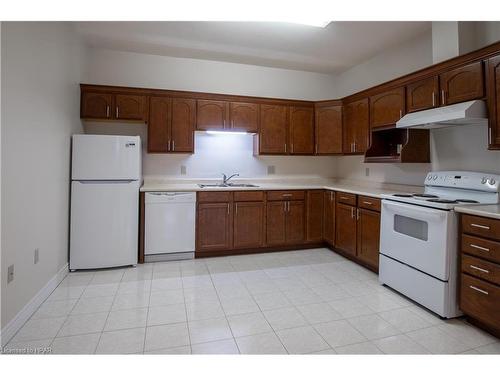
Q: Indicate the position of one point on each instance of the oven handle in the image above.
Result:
(414, 211)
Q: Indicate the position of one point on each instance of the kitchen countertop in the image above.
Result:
(354, 187)
(486, 210)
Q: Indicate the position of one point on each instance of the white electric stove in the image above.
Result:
(418, 237)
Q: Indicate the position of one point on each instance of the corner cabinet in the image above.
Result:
(493, 79)
(328, 130)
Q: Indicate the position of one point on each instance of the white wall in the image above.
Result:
(462, 148)
(213, 155)
(41, 67)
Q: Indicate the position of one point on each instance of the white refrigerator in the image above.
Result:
(105, 182)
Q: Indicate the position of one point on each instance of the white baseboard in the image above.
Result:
(29, 309)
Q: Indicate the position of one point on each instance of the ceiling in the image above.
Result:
(332, 49)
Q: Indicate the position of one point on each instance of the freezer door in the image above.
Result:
(106, 157)
(104, 224)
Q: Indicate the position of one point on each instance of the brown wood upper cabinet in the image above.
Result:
(356, 127)
(244, 116)
(301, 130)
(462, 84)
(273, 135)
(96, 105)
(171, 125)
(328, 130)
(130, 107)
(423, 94)
(493, 79)
(212, 115)
(101, 105)
(386, 108)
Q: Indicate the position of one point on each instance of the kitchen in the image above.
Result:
(278, 210)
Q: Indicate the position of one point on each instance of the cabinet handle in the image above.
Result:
(368, 203)
(479, 247)
(480, 226)
(173, 145)
(400, 113)
(116, 112)
(224, 123)
(316, 148)
(236, 209)
(433, 99)
(285, 148)
(443, 96)
(228, 209)
(357, 214)
(354, 146)
(489, 135)
(479, 290)
(344, 198)
(286, 195)
(479, 269)
(331, 196)
(168, 145)
(107, 111)
(291, 147)
(352, 212)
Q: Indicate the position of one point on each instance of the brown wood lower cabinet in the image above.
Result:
(480, 271)
(314, 216)
(345, 231)
(368, 236)
(285, 222)
(214, 226)
(329, 217)
(248, 225)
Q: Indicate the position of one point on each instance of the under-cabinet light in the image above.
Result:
(225, 132)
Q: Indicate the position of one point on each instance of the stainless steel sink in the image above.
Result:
(229, 185)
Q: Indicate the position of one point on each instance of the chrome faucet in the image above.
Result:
(225, 179)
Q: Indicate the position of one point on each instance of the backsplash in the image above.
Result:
(216, 154)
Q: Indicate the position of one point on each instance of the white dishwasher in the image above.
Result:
(169, 226)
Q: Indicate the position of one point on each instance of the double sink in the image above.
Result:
(226, 185)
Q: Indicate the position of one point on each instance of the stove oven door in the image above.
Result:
(421, 237)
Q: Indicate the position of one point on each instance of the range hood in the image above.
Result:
(468, 113)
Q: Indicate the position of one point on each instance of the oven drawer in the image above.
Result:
(346, 198)
(481, 226)
(480, 247)
(369, 203)
(481, 269)
(481, 300)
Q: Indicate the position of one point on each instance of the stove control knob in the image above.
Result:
(483, 181)
(429, 177)
(435, 177)
(492, 181)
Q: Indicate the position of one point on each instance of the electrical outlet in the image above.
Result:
(10, 273)
(367, 172)
(271, 169)
(183, 169)
(36, 257)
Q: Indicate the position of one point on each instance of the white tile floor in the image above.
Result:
(296, 302)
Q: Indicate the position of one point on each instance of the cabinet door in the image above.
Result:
(130, 107)
(494, 102)
(301, 130)
(356, 127)
(368, 236)
(159, 124)
(329, 217)
(329, 130)
(276, 223)
(462, 84)
(314, 216)
(295, 222)
(182, 125)
(273, 129)
(244, 117)
(214, 226)
(96, 105)
(212, 115)
(386, 108)
(248, 225)
(423, 94)
(345, 230)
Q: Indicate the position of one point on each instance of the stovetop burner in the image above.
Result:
(440, 200)
(425, 195)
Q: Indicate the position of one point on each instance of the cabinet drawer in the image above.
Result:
(480, 247)
(248, 196)
(281, 195)
(482, 226)
(481, 268)
(346, 198)
(480, 300)
(214, 196)
(369, 203)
